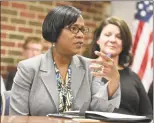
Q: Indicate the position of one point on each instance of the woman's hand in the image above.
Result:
(104, 67)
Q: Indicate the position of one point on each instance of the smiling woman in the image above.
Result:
(60, 80)
(113, 37)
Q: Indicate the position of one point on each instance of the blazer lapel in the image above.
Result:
(48, 76)
(78, 73)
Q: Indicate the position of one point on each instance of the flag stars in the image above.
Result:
(143, 13)
(150, 8)
(140, 6)
(146, 2)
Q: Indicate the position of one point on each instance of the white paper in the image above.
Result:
(116, 115)
(110, 115)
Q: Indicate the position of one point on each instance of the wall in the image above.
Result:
(22, 19)
(125, 10)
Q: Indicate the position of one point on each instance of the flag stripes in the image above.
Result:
(142, 49)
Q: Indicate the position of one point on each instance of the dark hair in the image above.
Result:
(57, 19)
(125, 57)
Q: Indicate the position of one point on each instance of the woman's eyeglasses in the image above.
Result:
(75, 29)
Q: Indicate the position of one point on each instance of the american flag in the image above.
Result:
(143, 42)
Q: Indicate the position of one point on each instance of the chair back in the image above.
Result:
(5, 102)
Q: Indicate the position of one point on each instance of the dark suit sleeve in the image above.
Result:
(9, 80)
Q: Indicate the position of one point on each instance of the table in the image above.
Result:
(44, 119)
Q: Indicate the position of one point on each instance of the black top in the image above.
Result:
(134, 99)
(150, 94)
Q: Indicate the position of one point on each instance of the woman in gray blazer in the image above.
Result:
(60, 80)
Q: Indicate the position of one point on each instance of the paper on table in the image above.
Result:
(110, 115)
(115, 115)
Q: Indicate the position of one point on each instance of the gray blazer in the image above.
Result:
(34, 91)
